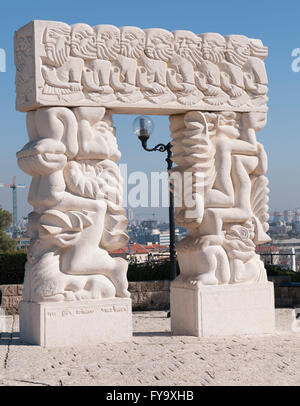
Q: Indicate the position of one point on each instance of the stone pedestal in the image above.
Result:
(76, 323)
(205, 311)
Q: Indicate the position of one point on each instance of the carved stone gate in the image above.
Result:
(70, 80)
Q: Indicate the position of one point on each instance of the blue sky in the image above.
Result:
(276, 23)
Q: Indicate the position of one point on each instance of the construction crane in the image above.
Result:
(14, 188)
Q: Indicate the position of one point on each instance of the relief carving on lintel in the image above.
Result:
(128, 68)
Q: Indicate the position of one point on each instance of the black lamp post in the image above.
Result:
(143, 127)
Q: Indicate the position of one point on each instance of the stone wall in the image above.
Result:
(10, 296)
(279, 279)
(287, 296)
(151, 295)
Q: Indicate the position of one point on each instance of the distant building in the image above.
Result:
(163, 227)
(279, 227)
(157, 252)
(287, 246)
(164, 238)
(288, 243)
(23, 243)
(149, 224)
(139, 253)
(278, 217)
(288, 216)
(132, 253)
(296, 226)
(272, 217)
(268, 254)
(130, 215)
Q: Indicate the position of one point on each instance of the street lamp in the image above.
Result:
(143, 128)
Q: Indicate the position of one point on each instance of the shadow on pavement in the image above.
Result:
(11, 339)
(152, 334)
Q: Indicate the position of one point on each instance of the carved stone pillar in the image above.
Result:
(222, 287)
(76, 193)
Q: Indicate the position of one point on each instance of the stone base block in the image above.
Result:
(76, 323)
(222, 310)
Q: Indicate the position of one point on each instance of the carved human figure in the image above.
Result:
(256, 80)
(107, 48)
(152, 76)
(245, 264)
(76, 193)
(83, 42)
(208, 75)
(181, 77)
(232, 70)
(203, 260)
(124, 73)
(232, 215)
(237, 158)
(247, 54)
(96, 73)
(61, 72)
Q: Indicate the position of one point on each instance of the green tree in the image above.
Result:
(6, 243)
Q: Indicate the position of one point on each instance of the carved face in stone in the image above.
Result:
(228, 125)
(83, 41)
(238, 49)
(108, 41)
(188, 45)
(132, 41)
(213, 47)
(57, 43)
(256, 120)
(159, 44)
(97, 138)
(238, 232)
(257, 49)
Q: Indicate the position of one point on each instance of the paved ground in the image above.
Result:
(154, 357)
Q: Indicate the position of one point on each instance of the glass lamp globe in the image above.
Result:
(143, 126)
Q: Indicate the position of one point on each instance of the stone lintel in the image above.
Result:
(137, 71)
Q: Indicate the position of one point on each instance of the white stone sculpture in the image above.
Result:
(130, 69)
(227, 220)
(69, 80)
(76, 192)
(231, 212)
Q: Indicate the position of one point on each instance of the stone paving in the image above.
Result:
(154, 357)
